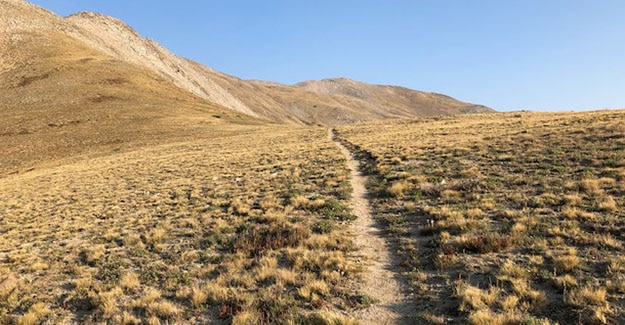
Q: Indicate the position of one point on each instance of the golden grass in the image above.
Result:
(210, 229)
(66, 100)
(525, 208)
(566, 263)
(473, 298)
(399, 188)
(247, 224)
(35, 314)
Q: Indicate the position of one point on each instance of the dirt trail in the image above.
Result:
(380, 280)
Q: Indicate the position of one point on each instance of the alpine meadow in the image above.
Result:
(140, 187)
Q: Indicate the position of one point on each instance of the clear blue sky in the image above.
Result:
(507, 54)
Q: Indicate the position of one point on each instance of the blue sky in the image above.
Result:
(548, 55)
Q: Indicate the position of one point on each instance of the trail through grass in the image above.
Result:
(381, 283)
(504, 218)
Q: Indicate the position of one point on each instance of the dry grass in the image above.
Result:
(60, 98)
(249, 228)
(517, 217)
(64, 99)
(566, 263)
(525, 208)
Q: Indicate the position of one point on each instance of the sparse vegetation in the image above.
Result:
(231, 228)
(524, 210)
(135, 189)
(499, 219)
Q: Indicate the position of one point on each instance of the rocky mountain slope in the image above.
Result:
(398, 101)
(339, 101)
(89, 81)
(330, 101)
(269, 100)
(117, 39)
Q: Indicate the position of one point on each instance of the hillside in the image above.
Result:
(89, 83)
(280, 103)
(60, 97)
(247, 228)
(339, 101)
(490, 219)
(117, 39)
(395, 101)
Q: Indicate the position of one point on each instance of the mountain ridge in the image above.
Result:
(116, 38)
(302, 103)
(89, 82)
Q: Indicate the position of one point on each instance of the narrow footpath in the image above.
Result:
(380, 279)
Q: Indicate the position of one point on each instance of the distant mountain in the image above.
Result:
(91, 80)
(391, 101)
(330, 101)
(338, 101)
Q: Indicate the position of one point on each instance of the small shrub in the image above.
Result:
(363, 300)
(587, 296)
(444, 261)
(326, 318)
(154, 274)
(240, 207)
(333, 209)
(509, 302)
(486, 243)
(566, 281)
(35, 315)
(591, 186)
(566, 263)
(299, 202)
(129, 281)
(399, 188)
(474, 298)
(110, 271)
(511, 270)
(430, 318)
(474, 213)
(608, 204)
(260, 238)
(487, 317)
(323, 227)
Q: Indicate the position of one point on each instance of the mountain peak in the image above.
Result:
(337, 86)
(339, 79)
(117, 39)
(86, 14)
(98, 18)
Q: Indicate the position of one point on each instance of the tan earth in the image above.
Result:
(88, 86)
(380, 279)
